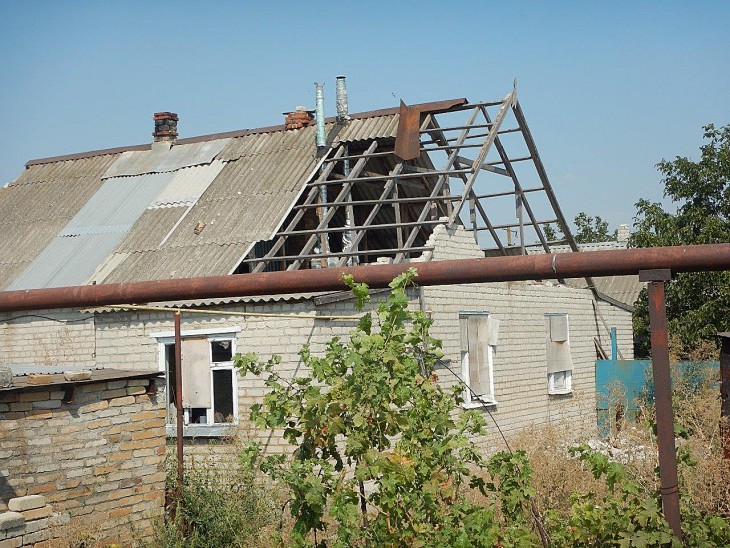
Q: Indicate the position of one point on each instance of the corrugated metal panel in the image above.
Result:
(160, 160)
(118, 203)
(151, 228)
(188, 184)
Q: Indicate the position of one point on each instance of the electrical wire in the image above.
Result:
(46, 318)
(485, 404)
(544, 538)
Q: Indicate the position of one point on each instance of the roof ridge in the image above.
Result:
(201, 138)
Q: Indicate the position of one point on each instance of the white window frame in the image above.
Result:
(210, 427)
(470, 402)
(566, 387)
(559, 382)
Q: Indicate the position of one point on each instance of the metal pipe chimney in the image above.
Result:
(342, 116)
(319, 114)
(341, 90)
(323, 245)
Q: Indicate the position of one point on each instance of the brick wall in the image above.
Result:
(126, 340)
(99, 459)
(520, 367)
(31, 521)
(47, 337)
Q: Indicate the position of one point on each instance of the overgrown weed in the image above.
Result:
(224, 504)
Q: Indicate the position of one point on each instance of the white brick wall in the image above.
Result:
(47, 337)
(520, 370)
(124, 339)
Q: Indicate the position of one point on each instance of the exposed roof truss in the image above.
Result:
(453, 162)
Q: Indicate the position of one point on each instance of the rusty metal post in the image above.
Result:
(663, 395)
(179, 410)
(725, 394)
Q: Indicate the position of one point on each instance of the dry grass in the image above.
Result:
(703, 476)
(555, 476)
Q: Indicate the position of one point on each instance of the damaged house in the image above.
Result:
(427, 182)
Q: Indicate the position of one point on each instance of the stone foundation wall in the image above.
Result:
(99, 459)
(31, 521)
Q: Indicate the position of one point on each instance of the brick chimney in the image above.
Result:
(623, 233)
(165, 126)
(298, 119)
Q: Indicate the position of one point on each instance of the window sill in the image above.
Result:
(202, 431)
(477, 404)
(560, 392)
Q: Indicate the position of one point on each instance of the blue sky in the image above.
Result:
(608, 88)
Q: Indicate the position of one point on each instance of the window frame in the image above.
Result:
(210, 428)
(567, 385)
(484, 399)
(566, 388)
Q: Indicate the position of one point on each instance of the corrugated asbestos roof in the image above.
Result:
(221, 302)
(624, 289)
(20, 381)
(39, 204)
(74, 254)
(132, 215)
(160, 159)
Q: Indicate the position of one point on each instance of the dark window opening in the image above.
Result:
(222, 351)
(223, 395)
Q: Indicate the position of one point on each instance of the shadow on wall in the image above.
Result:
(7, 491)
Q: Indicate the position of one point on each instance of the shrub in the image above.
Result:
(378, 451)
(222, 506)
(381, 458)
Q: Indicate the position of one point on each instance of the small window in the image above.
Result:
(559, 361)
(209, 381)
(478, 342)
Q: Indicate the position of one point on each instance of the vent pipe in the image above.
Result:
(341, 88)
(322, 246)
(319, 114)
(348, 237)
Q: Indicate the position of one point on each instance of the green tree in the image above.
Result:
(592, 229)
(378, 449)
(552, 233)
(697, 303)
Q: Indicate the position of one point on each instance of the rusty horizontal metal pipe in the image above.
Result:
(463, 271)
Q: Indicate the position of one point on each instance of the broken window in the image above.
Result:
(209, 380)
(559, 361)
(478, 342)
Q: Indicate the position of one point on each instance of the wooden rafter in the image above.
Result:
(354, 225)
